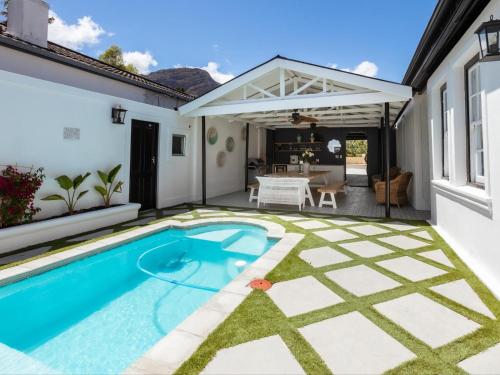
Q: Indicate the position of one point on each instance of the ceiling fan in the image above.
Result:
(297, 118)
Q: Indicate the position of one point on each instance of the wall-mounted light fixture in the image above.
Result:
(118, 115)
(488, 34)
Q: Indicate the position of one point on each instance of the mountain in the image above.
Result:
(193, 81)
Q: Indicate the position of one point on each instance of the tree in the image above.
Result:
(356, 147)
(114, 56)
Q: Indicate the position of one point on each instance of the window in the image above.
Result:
(475, 149)
(445, 122)
(178, 145)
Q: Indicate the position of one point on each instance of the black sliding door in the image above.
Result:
(143, 161)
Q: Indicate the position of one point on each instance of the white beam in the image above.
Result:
(282, 82)
(293, 102)
(262, 91)
(303, 87)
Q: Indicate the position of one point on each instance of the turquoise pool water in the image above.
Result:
(99, 314)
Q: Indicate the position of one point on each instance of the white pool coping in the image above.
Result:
(168, 354)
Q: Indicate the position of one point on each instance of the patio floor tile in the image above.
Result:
(334, 235)
(343, 221)
(366, 249)
(397, 225)
(423, 234)
(269, 355)
(362, 280)
(411, 269)
(323, 256)
(484, 363)
(291, 217)
(352, 344)
(310, 292)
(311, 224)
(369, 230)
(426, 319)
(461, 292)
(403, 242)
(437, 256)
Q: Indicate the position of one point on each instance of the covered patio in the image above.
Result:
(289, 106)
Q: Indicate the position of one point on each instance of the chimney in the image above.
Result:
(29, 20)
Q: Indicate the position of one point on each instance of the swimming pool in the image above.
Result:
(99, 314)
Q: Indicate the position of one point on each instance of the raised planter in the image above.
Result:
(30, 234)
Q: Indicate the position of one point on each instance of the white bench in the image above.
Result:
(331, 189)
(281, 190)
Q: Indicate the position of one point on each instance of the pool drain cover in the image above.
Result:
(261, 284)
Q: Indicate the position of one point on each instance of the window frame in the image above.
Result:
(472, 180)
(444, 115)
(183, 137)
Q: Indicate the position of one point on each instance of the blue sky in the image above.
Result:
(236, 35)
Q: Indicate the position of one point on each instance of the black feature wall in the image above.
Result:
(374, 137)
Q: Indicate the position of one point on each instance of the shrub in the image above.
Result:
(17, 195)
(70, 186)
(107, 189)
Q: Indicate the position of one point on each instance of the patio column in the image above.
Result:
(203, 162)
(387, 161)
(246, 155)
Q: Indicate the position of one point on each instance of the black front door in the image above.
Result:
(143, 160)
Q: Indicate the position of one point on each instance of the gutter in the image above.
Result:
(44, 53)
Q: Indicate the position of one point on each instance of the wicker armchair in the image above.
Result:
(393, 173)
(399, 186)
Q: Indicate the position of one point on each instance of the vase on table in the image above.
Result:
(306, 167)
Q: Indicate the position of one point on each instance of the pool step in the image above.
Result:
(13, 361)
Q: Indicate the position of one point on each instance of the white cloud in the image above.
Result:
(85, 32)
(213, 69)
(143, 61)
(366, 68)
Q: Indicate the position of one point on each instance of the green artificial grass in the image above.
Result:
(258, 316)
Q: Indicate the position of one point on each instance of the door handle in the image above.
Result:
(153, 159)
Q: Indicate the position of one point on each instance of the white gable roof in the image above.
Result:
(281, 85)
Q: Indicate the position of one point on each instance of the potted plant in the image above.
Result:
(70, 186)
(108, 187)
(307, 158)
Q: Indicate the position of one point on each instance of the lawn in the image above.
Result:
(258, 316)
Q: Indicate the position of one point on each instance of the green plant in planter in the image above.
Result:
(70, 186)
(109, 187)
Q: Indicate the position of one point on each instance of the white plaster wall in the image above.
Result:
(413, 150)
(230, 177)
(15, 61)
(34, 113)
(467, 216)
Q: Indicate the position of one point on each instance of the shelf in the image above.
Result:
(299, 143)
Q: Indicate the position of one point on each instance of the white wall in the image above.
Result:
(467, 216)
(412, 145)
(34, 113)
(230, 177)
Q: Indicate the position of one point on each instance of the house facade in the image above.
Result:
(56, 107)
(450, 136)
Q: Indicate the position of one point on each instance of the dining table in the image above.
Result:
(311, 176)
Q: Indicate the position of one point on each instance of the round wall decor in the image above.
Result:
(221, 158)
(230, 144)
(212, 135)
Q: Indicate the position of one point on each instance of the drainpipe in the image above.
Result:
(387, 162)
(203, 163)
(247, 130)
